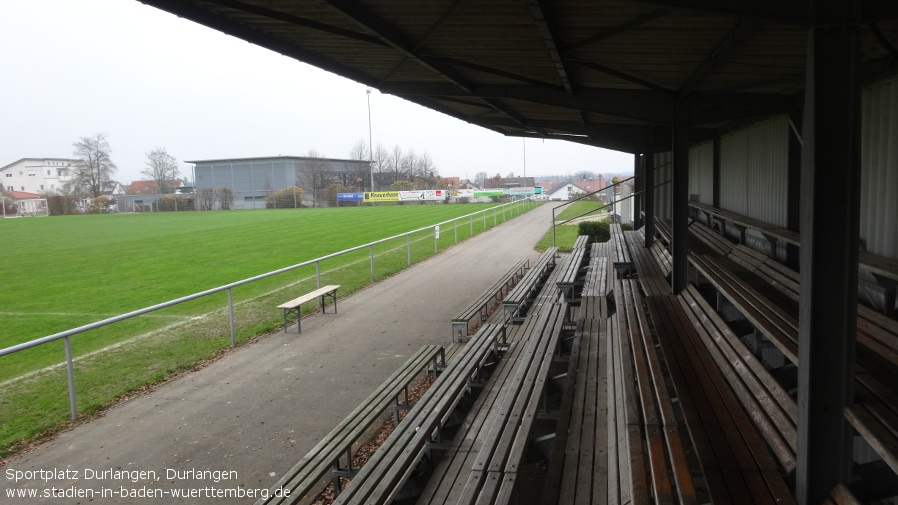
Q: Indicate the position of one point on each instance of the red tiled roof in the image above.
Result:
(21, 195)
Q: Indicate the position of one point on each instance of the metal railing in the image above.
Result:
(597, 209)
(512, 207)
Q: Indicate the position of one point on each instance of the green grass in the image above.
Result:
(578, 208)
(73, 270)
(566, 234)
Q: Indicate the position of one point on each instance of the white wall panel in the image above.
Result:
(754, 165)
(701, 172)
(879, 168)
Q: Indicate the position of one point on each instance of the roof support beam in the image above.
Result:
(299, 21)
(795, 12)
(617, 30)
(538, 12)
(743, 30)
(392, 37)
(641, 105)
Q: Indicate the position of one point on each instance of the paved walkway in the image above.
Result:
(256, 412)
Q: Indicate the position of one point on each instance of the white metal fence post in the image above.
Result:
(70, 366)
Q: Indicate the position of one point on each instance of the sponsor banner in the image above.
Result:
(381, 196)
(462, 193)
(349, 197)
(525, 191)
(426, 194)
(487, 192)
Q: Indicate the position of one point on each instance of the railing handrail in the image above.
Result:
(224, 287)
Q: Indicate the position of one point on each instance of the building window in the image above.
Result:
(31, 174)
(21, 173)
(23, 188)
(42, 187)
(49, 172)
(52, 186)
(8, 188)
(8, 174)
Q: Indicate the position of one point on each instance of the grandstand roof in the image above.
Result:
(598, 73)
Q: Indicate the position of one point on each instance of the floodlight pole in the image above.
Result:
(370, 145)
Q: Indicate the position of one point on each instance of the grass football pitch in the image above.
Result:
(63, 272)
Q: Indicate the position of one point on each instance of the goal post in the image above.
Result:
(32, 207)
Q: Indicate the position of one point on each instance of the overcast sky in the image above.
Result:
(147, 78)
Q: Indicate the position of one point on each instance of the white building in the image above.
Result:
(36, 175)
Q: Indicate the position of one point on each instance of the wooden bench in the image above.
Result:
(578, 464)
(518, 299)
(483, 460)
(624, 443)
(875, 411)
(651, 276)
(570, 278)
(383, 475)
(735, 460)
(620, 253)
(295, 305)
(307, 475)
(481, 307)
(771, 232)
(597, 283)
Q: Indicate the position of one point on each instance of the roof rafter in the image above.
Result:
(392, 37)
(541, 18)
(743, 30)
(620, 75)
(299, 21)
(617, 30)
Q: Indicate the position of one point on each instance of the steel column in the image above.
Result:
(648, 161)
(680, 214)
(830, 191)
(640, 187)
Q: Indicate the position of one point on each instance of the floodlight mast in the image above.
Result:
(370, 145)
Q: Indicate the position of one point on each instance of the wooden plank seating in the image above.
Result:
(518, 299)
(664, 230)
(481, 308)
(735, 460)
(482, 460)
(570, 278)
(295, 305)
(620, 253)
(306, 476)
(773, 411)
(650, 440)
(383, 475)
(875, 411)
(885, 270)
(597, 283)
(578, 465)
(741, 222)
(652, 277)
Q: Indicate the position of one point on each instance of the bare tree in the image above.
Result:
(480, 178)
(361, 175)
(206, 198)
(161, 167)
(225, 197)
(94, 168)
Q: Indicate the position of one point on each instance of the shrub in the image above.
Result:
(597, 231)
(287, 198)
